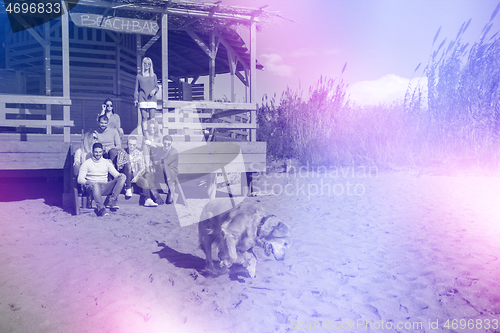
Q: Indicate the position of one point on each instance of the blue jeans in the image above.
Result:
(97, 190)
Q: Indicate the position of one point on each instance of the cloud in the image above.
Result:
(303, 53)
(274, 63)
(385, 90)
(308, 52)
(334, 51)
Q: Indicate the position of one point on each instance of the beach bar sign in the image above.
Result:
(118, 24)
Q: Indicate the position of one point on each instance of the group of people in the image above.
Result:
(144, 171)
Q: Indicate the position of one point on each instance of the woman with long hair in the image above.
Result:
(85, 151)
(146, 87)
(113, 118)
(152, 140)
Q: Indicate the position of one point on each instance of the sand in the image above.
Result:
(394, 252)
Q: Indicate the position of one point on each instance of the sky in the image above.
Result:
(382, 42)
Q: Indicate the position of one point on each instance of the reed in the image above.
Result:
(457, 127)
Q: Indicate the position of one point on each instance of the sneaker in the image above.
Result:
(128, 193)
(102, 211)
(150, 203)
(112, 203)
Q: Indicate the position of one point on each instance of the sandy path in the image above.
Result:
(408, 250)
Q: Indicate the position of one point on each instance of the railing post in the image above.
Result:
(164, 69)
(253, 78)
(65, 68)
(48, 81)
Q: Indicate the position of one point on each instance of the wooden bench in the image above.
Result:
(82, 201)
(246, 158)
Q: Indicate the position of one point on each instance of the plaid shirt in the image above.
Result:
(137, 161)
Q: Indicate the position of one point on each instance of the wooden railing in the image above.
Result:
(18, 111)
(190, 118)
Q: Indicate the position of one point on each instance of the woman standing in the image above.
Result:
(146, 87)
(113, 118)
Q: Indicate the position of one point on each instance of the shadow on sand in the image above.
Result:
(189, 261)
(181, 260)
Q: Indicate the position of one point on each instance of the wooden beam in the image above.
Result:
(65, 53)
(151, 41)
(208, 105)
(221, 147)
(180, 69)
(36, 123)
(200, 13)
(211, 68)
(164, 59)
(65, 68)
(140, 54)
(200, 42)
(232, 68)
(34, 99)
(236, 72)
(208, 168)
(242, 79)
(227, 113)
(212, 54)
(48, 81)
(247, 86)
(219, 157)
(210, 125)
(29, 29)
(253, 78)
(113, 36)
(183, 27)
(186, 60)
(253, 62)
(118, 90)
(229, 48)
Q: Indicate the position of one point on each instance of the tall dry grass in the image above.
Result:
(463, 117)
(457, 125)
(327, 130)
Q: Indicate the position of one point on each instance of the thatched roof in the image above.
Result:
(186, 58)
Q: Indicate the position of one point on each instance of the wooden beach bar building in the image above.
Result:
(55, 76)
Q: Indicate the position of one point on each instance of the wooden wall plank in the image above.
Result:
(205, 168)
(38, 146)
(218, 158)
(221, 147)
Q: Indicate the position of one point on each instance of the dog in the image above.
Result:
(236, 230)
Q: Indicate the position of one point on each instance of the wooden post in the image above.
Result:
(48, 87)
(139, 69)
(118, 91)
(232, 69)
(65, 68)
(164, 70)
(247, 78)
(211, 73)
(253, 78)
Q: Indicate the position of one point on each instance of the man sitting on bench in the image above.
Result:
(165, 163)
(93, 176)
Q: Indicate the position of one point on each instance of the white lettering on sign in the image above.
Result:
(118, 24)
